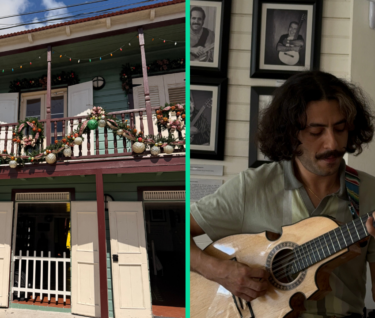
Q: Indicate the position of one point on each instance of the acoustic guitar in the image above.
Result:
(207, 104)
(299, 263)
(291, 57)
(203, 57)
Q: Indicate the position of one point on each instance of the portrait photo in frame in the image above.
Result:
(260, 98)
(286, 37)
(209, 43)
(208, 104)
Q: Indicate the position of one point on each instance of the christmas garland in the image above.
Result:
(163, 115)
(96, 118)
(63, 78)
(36, 132)
(164, 65)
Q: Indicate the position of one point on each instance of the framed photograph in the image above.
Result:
(209, 36)
(208, 106)
(260, 98)
(286, 37)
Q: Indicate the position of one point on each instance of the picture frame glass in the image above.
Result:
(203, 114)
(264, 102)
(286, 37)
(205, 27)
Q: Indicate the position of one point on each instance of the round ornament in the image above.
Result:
(92, 124)
(78, 141)
(138, 147)
(67, 152)
(51, 158)
(155, 150)
(119, 132)
(102, 123)
(13, 164)
(168, 149)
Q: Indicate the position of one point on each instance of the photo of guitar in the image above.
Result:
(299, 263)
(291, 57)
(194, 127)
(206, 55)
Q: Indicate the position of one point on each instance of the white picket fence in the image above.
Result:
(41, 291)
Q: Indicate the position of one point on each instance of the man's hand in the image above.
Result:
(370, 228)
(243, 281)
(197, 50)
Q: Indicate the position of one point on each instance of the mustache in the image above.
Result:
(330, 153)
(196, 23)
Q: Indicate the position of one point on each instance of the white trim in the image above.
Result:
(164, 195)
(82, 29)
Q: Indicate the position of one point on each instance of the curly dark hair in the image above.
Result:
(286, 115)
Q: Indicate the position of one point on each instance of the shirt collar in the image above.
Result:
(292, 183)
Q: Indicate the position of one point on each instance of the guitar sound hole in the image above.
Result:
(282, 266)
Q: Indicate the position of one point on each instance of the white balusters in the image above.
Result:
(32, 289)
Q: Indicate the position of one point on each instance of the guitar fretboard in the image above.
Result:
(328, 244)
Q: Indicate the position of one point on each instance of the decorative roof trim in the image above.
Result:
(157, 5)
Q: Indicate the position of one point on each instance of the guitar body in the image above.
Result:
(208, 299)
(289, 58)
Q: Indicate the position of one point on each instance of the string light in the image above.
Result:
(61, 54)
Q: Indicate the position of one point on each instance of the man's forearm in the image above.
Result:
(202, 263)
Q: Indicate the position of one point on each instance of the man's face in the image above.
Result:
(196, 20)
(324, 139)
(293, 29)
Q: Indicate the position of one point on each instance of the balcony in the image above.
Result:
(99, 143)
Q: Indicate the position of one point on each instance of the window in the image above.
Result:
(34, 105)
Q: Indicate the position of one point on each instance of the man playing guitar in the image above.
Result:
(313, 120)
(201, 39)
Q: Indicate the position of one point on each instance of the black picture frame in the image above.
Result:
(265, 61)
(256, 92)
(215, 148)
(222, 26)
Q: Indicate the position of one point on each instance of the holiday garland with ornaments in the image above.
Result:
(70, 78)
(96, 118)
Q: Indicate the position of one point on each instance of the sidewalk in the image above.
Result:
(26, 313)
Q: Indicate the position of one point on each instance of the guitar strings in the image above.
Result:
(316, 248)
(284, 261)
(304, 255)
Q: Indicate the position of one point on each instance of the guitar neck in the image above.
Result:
(298, 29)
(329, 243)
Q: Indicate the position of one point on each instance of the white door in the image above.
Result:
(130, 275)
(6, 218)
(9, 115)
(80, 103)
(85, 259)
(80, 99)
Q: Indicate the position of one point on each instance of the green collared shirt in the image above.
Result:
(269, 197)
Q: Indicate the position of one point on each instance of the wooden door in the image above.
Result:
(9, 115)
(130, 275)
(6, 218)
(85, 259)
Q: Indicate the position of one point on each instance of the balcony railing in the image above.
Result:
(99, 143)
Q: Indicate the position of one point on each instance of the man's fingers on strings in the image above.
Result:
(369, 225)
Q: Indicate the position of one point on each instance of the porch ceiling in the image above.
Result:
(93, 49)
